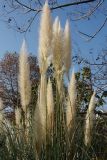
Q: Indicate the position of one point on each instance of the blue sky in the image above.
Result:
(10, 40)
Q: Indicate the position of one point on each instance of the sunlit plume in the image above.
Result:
(24, 77)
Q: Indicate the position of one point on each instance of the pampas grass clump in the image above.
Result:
(47, 132)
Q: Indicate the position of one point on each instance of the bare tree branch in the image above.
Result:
(90, 12)
(31, 21)
(29, 7)
(90, 37)
(59, 6)
(72, 4)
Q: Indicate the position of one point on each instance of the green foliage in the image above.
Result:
(85, 90)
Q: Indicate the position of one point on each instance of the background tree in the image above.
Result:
(96, 69)
(9, 79)
(87, 81)
(85, 88)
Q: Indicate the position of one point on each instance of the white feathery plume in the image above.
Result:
(67, 47)
(45, 37)
(18, 116)
(50, 105)
(55, 26)
(24, 77)
(58, 52)
(71, 108)
(90, 116)
(57, 46)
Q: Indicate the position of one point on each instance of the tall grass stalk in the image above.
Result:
(45, 37)
(58, 53)
(24, 77)
(50, 105)
(89, 122)
(18, 117)
(40, 115)
(71, 105)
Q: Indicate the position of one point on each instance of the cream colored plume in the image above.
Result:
(90, 117)
(71, 108)
(67, 47)
(50, 105)
(55, 26)
(45, 37)
(18, 116)
(57, 46)
(58, 52)
(24, 77)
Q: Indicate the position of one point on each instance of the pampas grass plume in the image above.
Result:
(55, 25)
(58, 52)
(45, 37)
(90, 116)
(71, 108)
(24, 77)
(57, 46)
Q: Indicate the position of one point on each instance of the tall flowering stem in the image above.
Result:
(24, 78)
(50, 105)
(40, 115)
(42, 102)
(58, 52)
(89, 121)
(45, 37)
(18, 117)
(71, 108)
